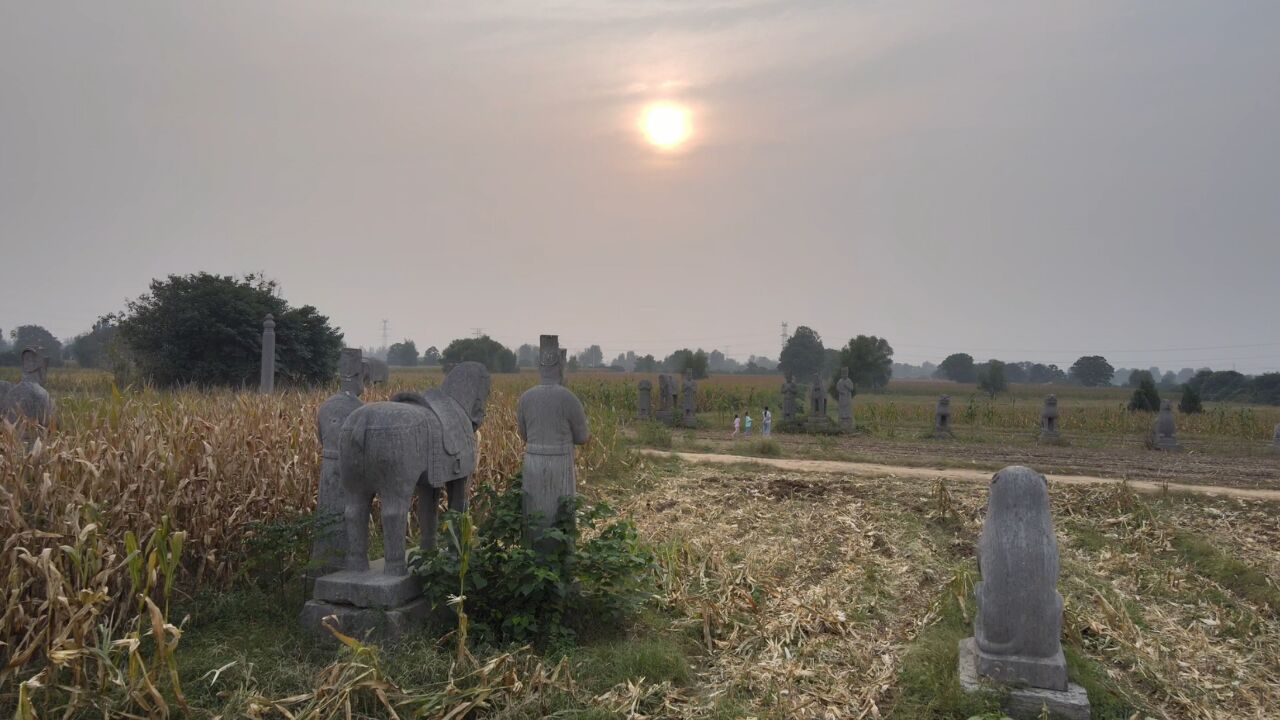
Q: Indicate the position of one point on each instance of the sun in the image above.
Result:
(666, 125)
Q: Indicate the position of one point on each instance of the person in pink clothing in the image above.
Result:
(736, 424)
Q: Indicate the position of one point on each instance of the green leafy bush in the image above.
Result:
(1145, 398)
(512, 592)
(654, 434)
(1190, 402)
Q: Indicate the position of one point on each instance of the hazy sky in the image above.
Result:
(1018, 180)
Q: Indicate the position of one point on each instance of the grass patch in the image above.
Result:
(652, 434)
(1233, 574)
(765, 448)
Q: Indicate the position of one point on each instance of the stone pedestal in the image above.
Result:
(666, 417)
(846, 424)
(1024, 703)
(367, 604)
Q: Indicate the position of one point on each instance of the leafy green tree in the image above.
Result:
(1092, 371)
(686, 359)
(1219, 384)
(91, 349)
(403, 354)
(803, 355)
(870, 361)
(646, 364)
(1190, 402)
(208, 329)
(1041, 374)
(526, 356)
(592, 357)
(958, 367)
(991, 378)
(25, 336)
(431, 356)
(1145, 398)
(1265, 389)
(484, 350)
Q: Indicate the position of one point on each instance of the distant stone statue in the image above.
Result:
(376, 372)
(844, 399)
(1166, 430)
(267, 378)
(1017, 624)
(564, 364)
(329, 548)
(942, 417)
(551, 421)
(1049, 420)
(689, 400)
(666, 399)
(28, 399)
(644, 400)
(1275, 441)
(788, 398)
(817, 398)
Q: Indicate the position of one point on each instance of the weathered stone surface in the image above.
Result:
(644, 400)
(551, 421)
(689, 400)
(1275, 441)
(5, 387)
(380, 625)
(415, 443)
(789, 398)
(1049, 420)
(564, 364)
(844, 399)
(942, 417)
(1024, 703)
(1018, 623)
(267, 379)
(372, 588)
(376, 371)
(1166, 430)
(329, 547)
(28, 399)
(667, 393)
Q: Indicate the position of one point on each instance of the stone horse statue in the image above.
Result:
(414, 443)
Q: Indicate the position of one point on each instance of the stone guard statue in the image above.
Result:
(329, 549)
(942, 417)
(844, 399)
(644, 400)
(1049, 420)
(788, 398)
(1166, 429)
(689, 400)
(28, 399)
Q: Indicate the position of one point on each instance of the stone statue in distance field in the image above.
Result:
(376, 372)
(28, 399)
(942, 417)
(666, 399)
(551, 421)
(1275, 441)
(689, 399)
(1049, 420)
(1017, 624)
(788, 392)
(328, 550)
(1166, 430)
(267, 379)
(844, 399)
(644, 400)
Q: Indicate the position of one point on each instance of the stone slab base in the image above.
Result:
(378, 625)
(1167, 445)
(1047, 437)
(370, 588)
(1025, 703)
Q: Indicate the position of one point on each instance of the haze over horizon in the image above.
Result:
(1024, 182)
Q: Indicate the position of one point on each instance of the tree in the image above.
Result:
(1265, 388)
(527, 356)
(958, 367)
(686, 359)
(574, 365)
(1092, 371)
(90, 349)
(25, 336)
(646, 364)
(431, 356)
(207, 330)
(1169, 381)
(1145, 398)
(1190, 402)
(484, 350)
(592, 357)
(870, 361)
(1137, 377)
(1041, 374)
(1219, 384)
(991, 378)
(803, 354)
(403, 354)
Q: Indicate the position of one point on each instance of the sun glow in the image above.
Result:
(666, 125)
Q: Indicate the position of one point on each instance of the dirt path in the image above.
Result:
(983, 476)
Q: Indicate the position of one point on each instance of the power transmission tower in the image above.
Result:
(477, 331)
(385, 333)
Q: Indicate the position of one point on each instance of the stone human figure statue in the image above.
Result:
(28, 399)
(644, 399)
(788, 398)
(376, 372)
(942, 417)
(564, 363)
(1166, 430)
(844, 399)
(329, 547)
(1017, 627)
(1049, 419)
(689, 399)
(1275, 441)
(817, 398)
(267, 379)
(551, 421)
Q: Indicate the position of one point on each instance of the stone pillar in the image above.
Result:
(1164, 435)
(644, 400)
(1049, 420)
(1017, 625)
(267, 381)
(1275, 441)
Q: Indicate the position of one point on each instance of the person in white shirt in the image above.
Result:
(736, 421)
(768, 421)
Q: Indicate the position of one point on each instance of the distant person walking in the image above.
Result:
(747, 424)
(736, 421)
(768, 422)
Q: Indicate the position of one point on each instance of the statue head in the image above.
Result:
(1018, 494)
(646, 385)
(688, 375)
(32, 365)
(1051, 401)
(844, 373)
(944, 402)
(351, 371)
(550, 360)
(468, 384)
